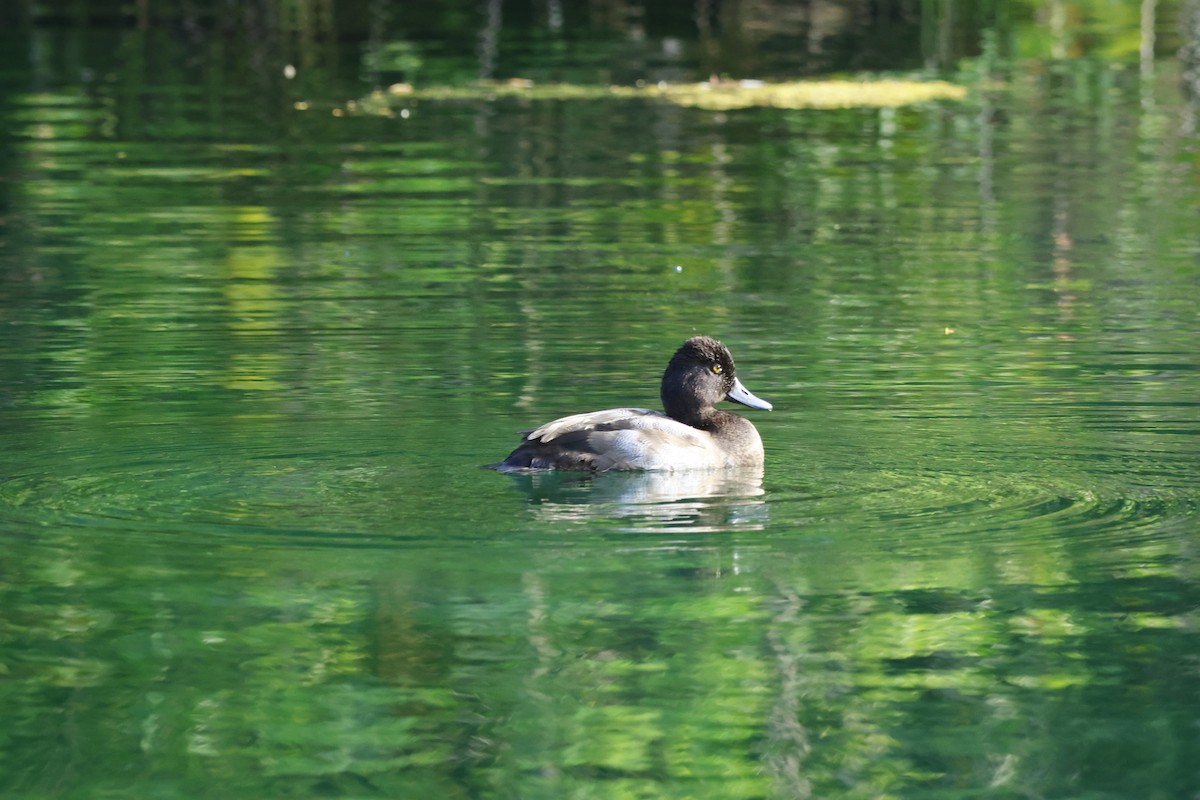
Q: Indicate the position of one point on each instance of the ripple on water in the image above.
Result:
(944, 511)
(253, 494)
(299, 491)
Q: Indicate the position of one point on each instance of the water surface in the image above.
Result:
(255, 358)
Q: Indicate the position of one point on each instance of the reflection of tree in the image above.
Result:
(1189, 60)
(788, 744)
(489, 39)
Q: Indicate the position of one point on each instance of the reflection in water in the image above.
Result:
(702, 501)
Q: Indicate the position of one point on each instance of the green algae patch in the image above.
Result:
(711, 95)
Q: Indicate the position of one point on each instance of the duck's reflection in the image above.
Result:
(696, 500)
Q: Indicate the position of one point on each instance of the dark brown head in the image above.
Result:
(700, 375)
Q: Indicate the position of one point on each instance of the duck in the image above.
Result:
(688, 434)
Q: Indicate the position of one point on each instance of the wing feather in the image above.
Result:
(618, 438)
(622, 417)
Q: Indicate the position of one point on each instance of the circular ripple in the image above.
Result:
(293, 490)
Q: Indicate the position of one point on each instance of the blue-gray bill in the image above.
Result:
(740, 394)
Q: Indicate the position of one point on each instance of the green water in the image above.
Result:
(253, 358)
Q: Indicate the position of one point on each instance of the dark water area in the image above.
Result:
(257, 344)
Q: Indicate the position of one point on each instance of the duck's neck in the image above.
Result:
(679, 399)
(702, 418)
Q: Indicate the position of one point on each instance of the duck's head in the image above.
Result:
(700, 375)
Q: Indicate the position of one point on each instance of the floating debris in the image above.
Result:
(713, 95)
(729, 95)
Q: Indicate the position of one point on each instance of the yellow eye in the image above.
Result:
(716, 368)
